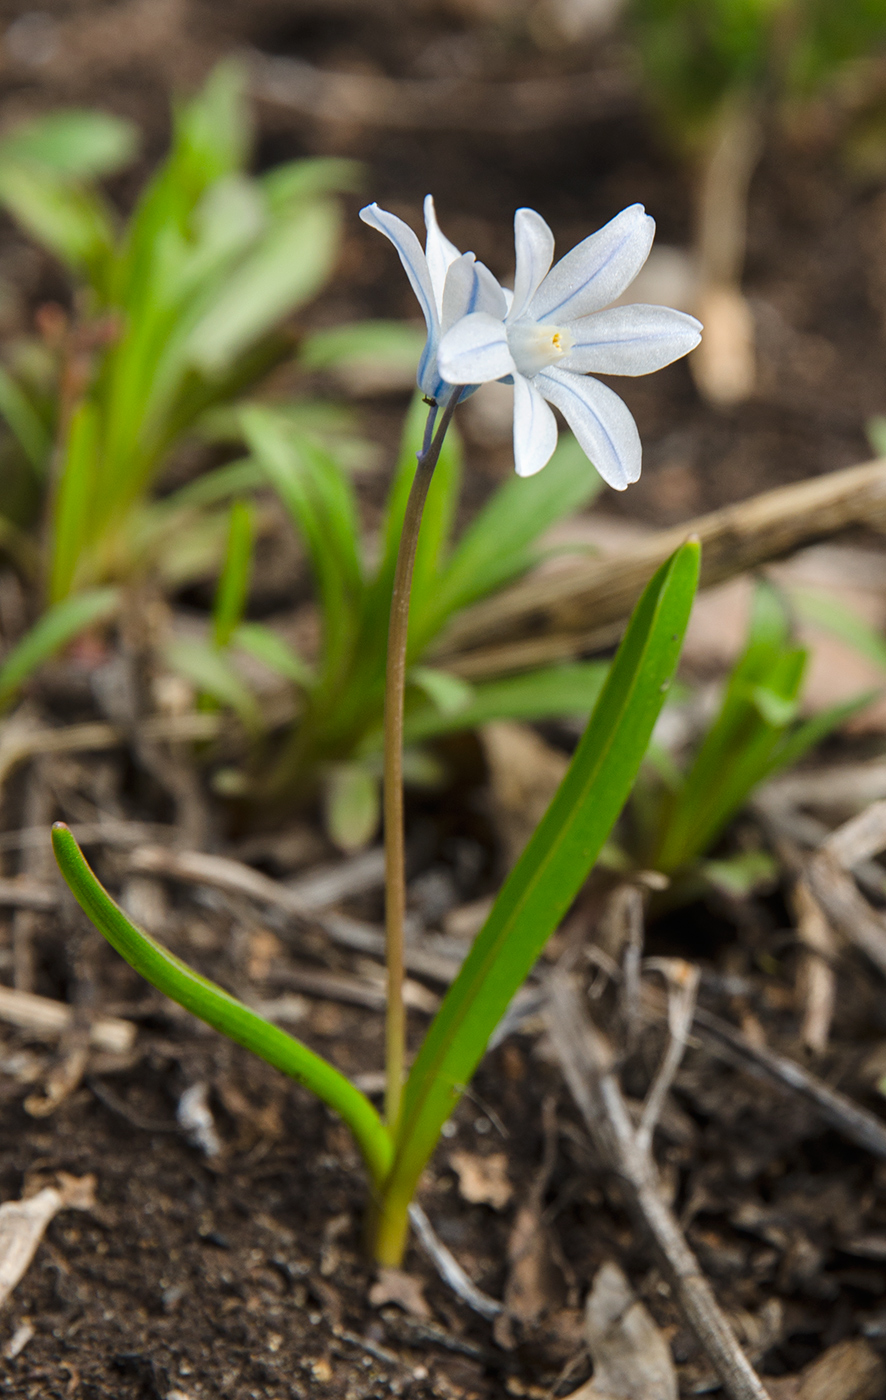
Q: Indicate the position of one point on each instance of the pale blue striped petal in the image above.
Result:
(602, 424)
(534, 244)
(597, 270)
(535, 428)
(411, 256)
(475, 350)
(634, 339)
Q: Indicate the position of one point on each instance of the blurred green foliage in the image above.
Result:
(698, 53)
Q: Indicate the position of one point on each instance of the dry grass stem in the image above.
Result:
(587, 1064)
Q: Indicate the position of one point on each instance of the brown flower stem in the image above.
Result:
(395, 684)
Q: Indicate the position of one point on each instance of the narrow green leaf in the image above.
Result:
(233, 586)
(269, 648)
(25, 423)
(219, 1009)
(320, 500)
(496, 547)
(824, 610)
(212, 673)
(551, 870)
(556, 692)
(362, 346)
(72, 510)
(447, 693)
(351, 805)
(59, 625)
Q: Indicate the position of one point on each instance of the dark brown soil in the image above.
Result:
(242, 1275)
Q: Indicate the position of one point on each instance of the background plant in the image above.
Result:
(174, 313)
(718, 71)
(529, 907)
(678, 812)
(336, 737)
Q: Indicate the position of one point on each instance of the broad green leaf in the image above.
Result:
(496, 547)
(351, 805)
(59, 625)
(271, 650)
(547, 877)
(233, 586)
(81, 145)
(288, 267)
(25, 423)
(220, 1010)
(72, 222)
(211, 672)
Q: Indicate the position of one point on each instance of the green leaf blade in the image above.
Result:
(219, 1009)
(59, 625)
(553, 866)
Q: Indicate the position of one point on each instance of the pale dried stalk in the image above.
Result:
(562, 615)
(587, 1065)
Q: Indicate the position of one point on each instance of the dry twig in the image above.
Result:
(587, 1064)
(561, 615)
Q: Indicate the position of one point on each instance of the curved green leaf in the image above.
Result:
(546, 879)
(58, 626)
(219, 1009)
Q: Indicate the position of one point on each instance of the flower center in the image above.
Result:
(534, 346)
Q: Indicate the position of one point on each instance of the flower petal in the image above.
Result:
(470, 287)
(634, 339)
(439, 252)
(602, 423)
(411, 256)
(535, 252)
(535, 428)
(475, 350)
(597, 270)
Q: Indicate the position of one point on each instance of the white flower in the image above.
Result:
(449, 285)
(555, 333)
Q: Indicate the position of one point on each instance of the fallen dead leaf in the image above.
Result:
(23, 1224)
(632, 1360)
(396, 1286)
(483, 1180)
(851, 1370)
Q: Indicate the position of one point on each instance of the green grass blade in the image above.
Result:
(219, 1009)
(556, 692)
(553, 867)
(497, 545)
(233, 586)
(272, 651)
(25, 423)
(211, 672)
(58, 626)
(72, 507)
(824, 610)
